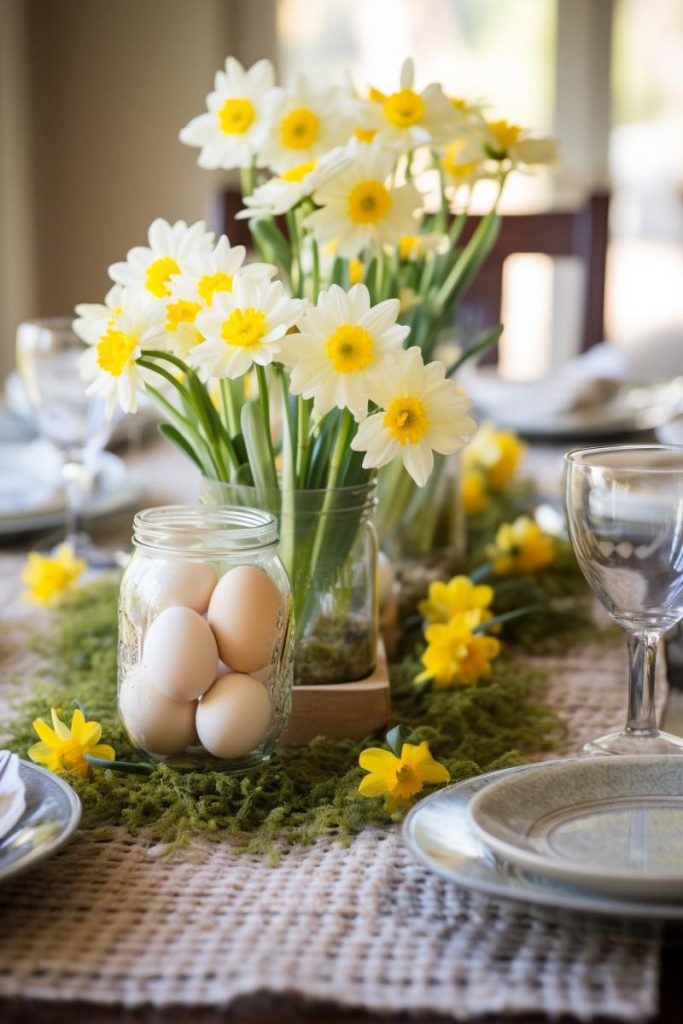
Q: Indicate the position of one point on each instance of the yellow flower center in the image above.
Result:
(364, 134)
(300, 172)
(458, 102)
(406, 420)
(505, 134)
(404, 108)
(299, 129)
(356, 270)
(369, 202)
(451, 161)
(409, 245)
(236, 116)
(114, 351)
(181, 312)
(244, 327)
(350, 349)
(212, 283)
(408, 782)
(158, 275)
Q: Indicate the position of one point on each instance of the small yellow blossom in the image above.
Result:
(446, 600)
(521, 546)
(62, 749)
(473, 491)
(455, 654)
(497, 453)
(49, 578)
(399, 778)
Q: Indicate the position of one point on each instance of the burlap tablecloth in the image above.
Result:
(120, 922)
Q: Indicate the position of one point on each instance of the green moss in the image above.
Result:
(299, 796)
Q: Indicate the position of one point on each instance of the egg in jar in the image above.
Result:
(180, 656)
(173, 581)
(234, 716)
(155, 722)
(245, 614)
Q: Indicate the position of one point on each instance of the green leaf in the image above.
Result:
(258, 449)
(477, 348)
(396, 737)
(176, 438)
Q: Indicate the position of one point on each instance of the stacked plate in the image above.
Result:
(603, 835)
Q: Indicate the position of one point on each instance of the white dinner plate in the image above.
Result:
(30, 493)
(612, 824)
(51, 816)
(439, 834)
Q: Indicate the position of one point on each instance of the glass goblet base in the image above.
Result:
(632, 742)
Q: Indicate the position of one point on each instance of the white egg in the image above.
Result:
(171, 582)
(233, 717)
(244, 614)
(155, 722)
(386, 580)
(180, 656)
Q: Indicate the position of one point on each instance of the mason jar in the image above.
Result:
(329, 546)
(204, 656)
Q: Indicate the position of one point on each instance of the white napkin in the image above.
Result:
(12, 796)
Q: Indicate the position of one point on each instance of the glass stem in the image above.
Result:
(77, 485)
(642, 653)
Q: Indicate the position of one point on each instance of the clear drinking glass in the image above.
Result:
(48, 358)
(625, 516)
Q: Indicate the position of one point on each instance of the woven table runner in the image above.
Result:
(121, 922)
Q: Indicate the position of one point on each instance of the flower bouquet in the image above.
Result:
(291, 381)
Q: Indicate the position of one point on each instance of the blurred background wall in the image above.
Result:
(94, 92)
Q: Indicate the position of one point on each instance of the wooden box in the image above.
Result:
(341, 711)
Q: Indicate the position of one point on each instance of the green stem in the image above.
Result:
(264, 402)
(517, 613)
(339, 450)
(303, 441)
(247, 179)
(316, 270)
(230, 411)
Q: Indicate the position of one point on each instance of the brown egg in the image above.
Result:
(244, 614)
(155, 722)
(233, 717)
(180, 656)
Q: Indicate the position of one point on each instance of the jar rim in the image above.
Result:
(204, 529)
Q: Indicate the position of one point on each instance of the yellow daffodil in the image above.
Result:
(62, 749)
(473, 491)
(497, 453)
(49, 578)
(399, 778)
(521, 546)
(446, 600)
(455, 654)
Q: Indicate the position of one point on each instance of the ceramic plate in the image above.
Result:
(613, 824)
(30, 499)
(51, 816)
(439, 834)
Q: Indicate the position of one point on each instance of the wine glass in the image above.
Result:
(48, 360)
(625, 515)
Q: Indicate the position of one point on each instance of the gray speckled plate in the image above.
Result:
(439, 834)
(52, 814)
(613, 824)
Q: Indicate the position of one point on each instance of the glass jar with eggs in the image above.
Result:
(204, 658)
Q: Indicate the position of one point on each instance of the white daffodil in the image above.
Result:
(94, 317)
(194, 290)
(233, 130)
(342, 341)
(463, 163)
(360, 209)
(303, 123)
(243, 327)
(508, 145)
(171, 250)
(407, 118)
(280, 194)
(421, 412)
(115, 343)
